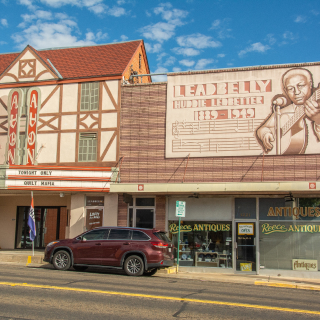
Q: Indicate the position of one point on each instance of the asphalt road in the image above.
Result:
(44, 293)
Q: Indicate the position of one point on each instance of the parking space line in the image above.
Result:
(234, 304)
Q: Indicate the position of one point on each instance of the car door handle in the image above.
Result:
(126, 243)
(98, 244)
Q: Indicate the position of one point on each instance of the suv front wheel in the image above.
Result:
(133, 266)
(61, 260)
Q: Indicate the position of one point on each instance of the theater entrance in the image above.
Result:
(51, 224)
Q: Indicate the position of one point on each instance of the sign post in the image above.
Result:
(180, 212)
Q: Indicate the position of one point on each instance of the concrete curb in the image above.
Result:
(26, 259)
(287, 285)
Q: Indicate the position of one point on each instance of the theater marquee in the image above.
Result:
(244, 112)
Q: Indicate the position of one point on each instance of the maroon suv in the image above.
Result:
(137, 251)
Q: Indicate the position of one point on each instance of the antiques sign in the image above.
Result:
(244, 112)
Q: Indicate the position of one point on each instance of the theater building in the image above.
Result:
(59, 138)
(241, 148)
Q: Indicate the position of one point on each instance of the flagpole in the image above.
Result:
(32, 241)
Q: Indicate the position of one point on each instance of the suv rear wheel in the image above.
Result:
(61, 260)
(133, 266)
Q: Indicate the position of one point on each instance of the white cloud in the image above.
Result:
(289, 35)
(202, 63)
(98, 9)
(153, 48)
(44, 35)
(169, 14)
(256, 47)
(124, 38)
(170, 61)
(187, 63)
(161, 77)
(2, 42)
(300, 19)
(221, 55)
(4, 22)
(198, 41)
(176, 69)
(28, 3)
(116, 11)
(163, 31)
(271, 39)
(160, 31)
(221, 27)
(186, 51)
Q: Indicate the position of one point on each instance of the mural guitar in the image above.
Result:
(286, 126)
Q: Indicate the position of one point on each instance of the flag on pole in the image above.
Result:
(32, 221)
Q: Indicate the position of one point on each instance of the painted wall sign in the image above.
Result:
(294, 212)
(245, 229)
(94, 201)
(243, 113)
(267, 228)
(304, 265)
(246, 267)
(173, 228)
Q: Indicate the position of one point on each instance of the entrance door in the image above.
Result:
(245, 246)
(47, 226)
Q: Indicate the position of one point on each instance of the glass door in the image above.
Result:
(245, 246)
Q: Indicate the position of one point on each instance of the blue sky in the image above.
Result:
(179, 35)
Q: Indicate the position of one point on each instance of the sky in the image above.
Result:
(179, 35)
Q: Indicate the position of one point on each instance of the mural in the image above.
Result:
(286, 127)
(243, 112)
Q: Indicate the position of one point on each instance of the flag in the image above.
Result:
(32, 222)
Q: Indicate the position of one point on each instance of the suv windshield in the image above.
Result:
(162, 236)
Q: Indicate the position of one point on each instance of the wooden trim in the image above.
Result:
(49, 96)
(3, 127)
(99, 121)
(3, 104)
(110, 96)
(78, 123)
(108, 146)
(73, 113)
(59, 124)
(119, 121)
(47, 123)
(40, 74)
(23, 63)
(12, 76)
(52, 82)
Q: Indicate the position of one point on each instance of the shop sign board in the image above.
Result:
(304, 265)
(94, 201)
(212, 227)
(94, 218)
(180, 209)
(243, 112)
(267, 228)
(246, 267)
(245, 229)
(57, 178)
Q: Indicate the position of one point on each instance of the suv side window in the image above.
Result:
(138, 235)
(95, 235)
(119, 234)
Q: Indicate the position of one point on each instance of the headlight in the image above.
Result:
(52, 243)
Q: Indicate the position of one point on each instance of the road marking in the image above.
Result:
(234, 304)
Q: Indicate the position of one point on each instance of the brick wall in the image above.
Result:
(142, 143)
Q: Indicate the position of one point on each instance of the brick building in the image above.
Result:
(226, 143)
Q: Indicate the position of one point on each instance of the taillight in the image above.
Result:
(159, 244)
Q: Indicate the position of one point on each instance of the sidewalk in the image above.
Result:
(26, 258)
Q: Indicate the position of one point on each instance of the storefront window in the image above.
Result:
(202, 244)
(290, 234)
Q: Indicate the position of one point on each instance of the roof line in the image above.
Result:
(95, 45)
(55, 69)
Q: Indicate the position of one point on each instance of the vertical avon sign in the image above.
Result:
(15, 99)
(33, 100)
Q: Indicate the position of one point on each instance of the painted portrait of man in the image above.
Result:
(295, 117)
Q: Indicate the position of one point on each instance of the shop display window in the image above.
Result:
(203, 244)
(289, 232)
